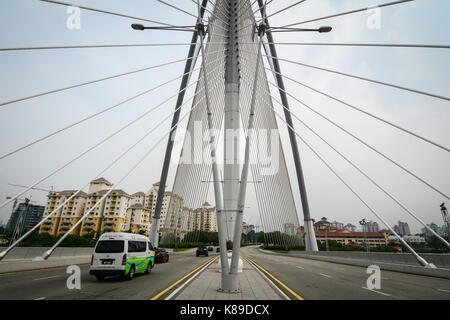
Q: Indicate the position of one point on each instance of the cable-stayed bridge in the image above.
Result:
(231, 146)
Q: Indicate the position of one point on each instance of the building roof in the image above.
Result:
(346, 233)
(136, 206)
(102, 180)
(140, 193)
(119, 192)
(70, 192)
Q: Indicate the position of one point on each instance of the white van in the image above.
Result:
(124, 254)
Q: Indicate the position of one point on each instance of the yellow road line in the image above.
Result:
(275, 279)
(185, 277)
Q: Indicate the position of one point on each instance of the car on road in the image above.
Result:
(210, 248)
(161, 255)
(202, 251)
(122, 254)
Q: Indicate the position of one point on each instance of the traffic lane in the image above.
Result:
(319, 280)
(396, 284)
(310, 285)
(51, 283)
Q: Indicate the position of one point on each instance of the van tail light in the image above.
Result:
(92, 260)
(124, 259)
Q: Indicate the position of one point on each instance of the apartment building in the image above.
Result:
(72, 212)
(55, 200)
(138, 219)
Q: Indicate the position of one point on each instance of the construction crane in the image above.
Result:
(33, 188)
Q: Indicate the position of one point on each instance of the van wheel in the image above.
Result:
(130, 274)
(99, 277)
(149, 268)
(167, 259)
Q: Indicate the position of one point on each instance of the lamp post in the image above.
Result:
(363, 224)
(446, 217)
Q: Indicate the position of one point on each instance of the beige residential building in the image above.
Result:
(138, 197)
(75, 207)
(115, 211)
(208, 218)
(72, 212)
(139, 219)
(170, 210)
(93, 222)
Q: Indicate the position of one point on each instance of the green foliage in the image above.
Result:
(47, 240)
(201, 237)
(278, 238)
(182, 245)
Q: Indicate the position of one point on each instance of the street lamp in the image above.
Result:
(140, 27)
(363, 224)
(445, 216)
(323, 29)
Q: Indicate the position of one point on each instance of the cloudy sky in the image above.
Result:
(27, 23)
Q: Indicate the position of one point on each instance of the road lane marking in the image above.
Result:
(45, 278)
(448, 291)
(41, 298)
(386, 294)
(325, 275)
(185, 277)
(300, 267)
(189, 280)
(270, 281)
(276, 280)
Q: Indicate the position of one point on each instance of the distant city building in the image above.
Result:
(25, 217)
(350, 227)
(439, 230)
(246, 228)
(402, 229)
(338, 225)
(371, 226)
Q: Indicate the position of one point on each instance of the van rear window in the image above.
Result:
(110, 246)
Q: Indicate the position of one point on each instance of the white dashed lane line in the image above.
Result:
(325, 275)
(300, 267)
(45, 278)
(42, 298)
(443, 290)
(386, 294)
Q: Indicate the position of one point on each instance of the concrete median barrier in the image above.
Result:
(400, 262)
(21, 259)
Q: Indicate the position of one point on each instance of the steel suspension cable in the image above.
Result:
(91, 148)
(94, 81)
(91, 116)
(362, 78)
(368, 114)
(367, 145)
(362, 172)
(348, 12)
(2, 255)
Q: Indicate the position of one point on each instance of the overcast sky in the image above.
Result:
(33, 23)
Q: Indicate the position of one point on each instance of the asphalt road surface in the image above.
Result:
(50, 284)
(313, 279)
